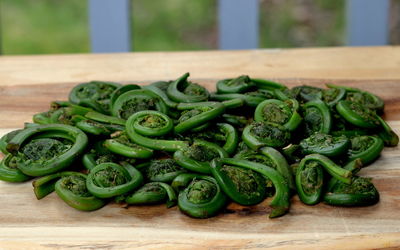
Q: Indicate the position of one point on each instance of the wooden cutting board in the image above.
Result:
(49, 223)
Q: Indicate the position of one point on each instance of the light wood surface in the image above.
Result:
(29, 83)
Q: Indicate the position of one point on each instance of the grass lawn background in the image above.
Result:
(57, 26)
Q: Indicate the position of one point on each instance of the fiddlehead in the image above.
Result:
(202, 198)
(235, 120)
(72, 190)
(361, 192)
(5, 139)
(309, 182)
(197, 114)
(181, 181)
(159, 128)
(389, 137)
(310, 177)
(121, 145)
(224, 134)
(236, 85)
(357, 114)
(278, 162)
(120, 90)
(197, 157)
(363, 98)
(280, 112)
(260, 134)
(367, 148)
(97, 128)
(100, 154)
(151, 123)
(333, 95)
(45, 156)
(161, 91)
(153, 193)
(317, 117)
(264, 84)
(137, 100)
(280, 203)
(325, 144)
(9, 171)
(329, 166)
(306, 93)
(109, 179)
(46, 184)
(181, 90)
(164, 170)
(272, 158)
(95, 95)
(244, 186)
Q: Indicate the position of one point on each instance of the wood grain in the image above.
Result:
(318, 63)
(26, 223)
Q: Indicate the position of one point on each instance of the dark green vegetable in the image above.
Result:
(389, 137)
(164, 170)
(181, 90)
(95, 95)
(332, 168)
(197, 157)
(5, 139)
(162, 94)
(366, 147)
(133, 141)
(278, 162)
(260, 134)
(364, 98)
(137, 100)
(317, 117)
(181, 181)
(236, 85)
(152, 143)
(242, 185)
(122, 146)
(98, 128)
(309, 182)
(280, 112)
(150, 123)
(293, 153)
(95, 116)
(357, 114)
(46, 156)
(46, 184)
(153, 193)
(120, 90)
(361, 192)
(280, 203)
(224, 134)
(9, 171)
(228, 136)
(235, 120)
(202, 198)
(333, 95)
(72, 189)
(196, 114)
(325, 144)
(250, 99)
(267, 84)
(109, 179)
(306, 93)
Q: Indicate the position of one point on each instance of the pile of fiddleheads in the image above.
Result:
(173, 142)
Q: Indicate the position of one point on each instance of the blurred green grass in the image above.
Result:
(44, 26)
(57, 26)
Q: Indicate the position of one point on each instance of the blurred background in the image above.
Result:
(59, 26)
